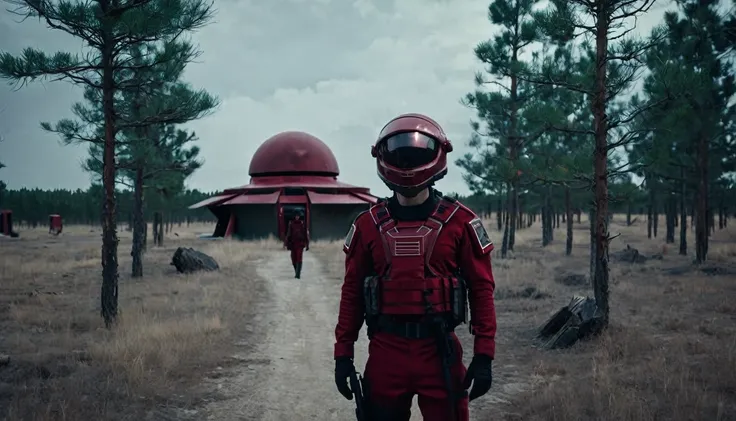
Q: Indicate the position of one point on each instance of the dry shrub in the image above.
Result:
(173, 329)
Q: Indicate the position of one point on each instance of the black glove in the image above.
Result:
(480, 373)
(343, 369)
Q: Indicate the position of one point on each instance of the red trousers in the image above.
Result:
(296, 253)
(399, 368)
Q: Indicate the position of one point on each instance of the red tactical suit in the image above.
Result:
(400, 366)
(297, 238)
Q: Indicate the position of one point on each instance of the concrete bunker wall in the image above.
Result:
(255, 222)
(332, 222)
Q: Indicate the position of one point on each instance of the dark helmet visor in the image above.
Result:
(409, 150)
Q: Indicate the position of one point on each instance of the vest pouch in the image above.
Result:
(459, 300)
(372, 295)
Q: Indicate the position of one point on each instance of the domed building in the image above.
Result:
(291, 173)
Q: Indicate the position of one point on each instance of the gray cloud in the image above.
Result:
(336, 69)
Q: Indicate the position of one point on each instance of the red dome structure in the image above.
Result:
(291, 173)
(293, 153)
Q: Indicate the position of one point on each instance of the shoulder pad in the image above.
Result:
(445, 210)
(350, 237)
(464, 208)
(379, 213)
(481, 241)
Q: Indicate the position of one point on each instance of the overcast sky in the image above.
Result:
(338, 69)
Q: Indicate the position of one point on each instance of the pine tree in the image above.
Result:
(614, 66)
(110, 28)
(501, 141)
(150, 147)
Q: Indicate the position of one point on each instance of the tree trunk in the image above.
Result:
(711, 221)
(628, 214)
(109, 290)
(545, 230)
(580, 216)
(505, 242)
(547, 218)
(683, 215)
(520, 214)
(693, 209)
(701, 226)
(591, 235)
(513, 212)
(551, 215)
(655, 219)
(158, 229)
(671, 215)
(499, 213)
(139, 225)
(600, 123)
(568, 220)
(513, 141)
(650, 214)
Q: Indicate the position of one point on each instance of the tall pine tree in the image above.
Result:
(498, 137)
(149, 146)
(614, 67)
(109, 29)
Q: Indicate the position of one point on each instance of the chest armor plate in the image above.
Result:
(410, 286)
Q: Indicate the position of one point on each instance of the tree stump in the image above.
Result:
(188, 260)
(158, 229)
(576, 321)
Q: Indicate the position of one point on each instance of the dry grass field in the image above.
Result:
(60, 363)
(670, 353)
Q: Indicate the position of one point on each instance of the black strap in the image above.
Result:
(408, 330)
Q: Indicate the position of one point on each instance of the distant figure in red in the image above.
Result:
(297, 238)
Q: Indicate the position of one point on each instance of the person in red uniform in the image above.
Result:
(414, 262)
(297, 238)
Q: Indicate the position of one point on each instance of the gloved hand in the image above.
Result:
(480, 373)
(344, 367)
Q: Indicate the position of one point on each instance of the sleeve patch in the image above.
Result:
(484, 241)
(349, 237)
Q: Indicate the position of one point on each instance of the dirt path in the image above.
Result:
(286, 373)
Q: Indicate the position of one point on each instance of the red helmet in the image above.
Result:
(411, 153)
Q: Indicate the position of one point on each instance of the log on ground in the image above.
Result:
(578, 320)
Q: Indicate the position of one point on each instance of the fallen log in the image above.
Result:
(574, 322)
(188, 260)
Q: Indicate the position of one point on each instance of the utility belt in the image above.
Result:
(422, 329)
